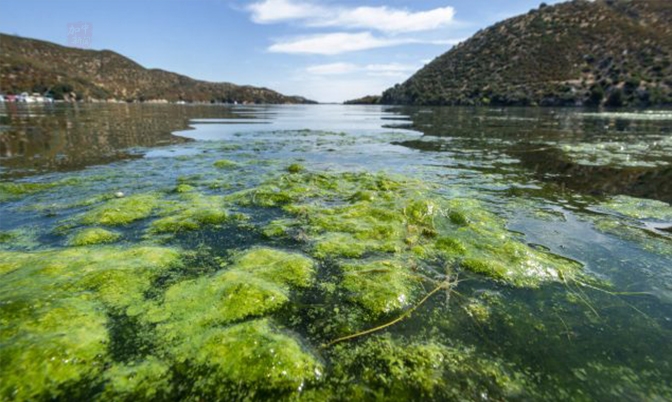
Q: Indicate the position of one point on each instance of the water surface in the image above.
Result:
(583, 185)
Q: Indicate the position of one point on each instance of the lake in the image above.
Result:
(330, 252)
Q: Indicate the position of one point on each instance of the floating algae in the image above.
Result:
(191, 212)
(276, 266)
(15, 190)
(637, 208)
(637, 220)
(53, 306)
(57, 350)
(150, 379)
(225, 164)
(91, 236)
(250, 360)
(295, 168)
(405, 218)
(118, 276)
(379, 286)
(257, 282)
(647, 153)
(122, 211)
(245, 359)
(371, 245)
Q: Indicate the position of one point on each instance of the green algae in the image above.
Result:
(190, 307)
(637, 208)
(355, 215)
(190, 212)
(53, 309)
(339, 245)
(57, 348)
(634, 233)
(22, 238)
(279, 228)
(295, 168)
(225, 164)
(91, 236)
(5, 237)
(250, 360)
(184, 188)
(214, 335)
(246, 358)
(484, 246)
(613, 381)
(384, 368)
(15, 190)
(256, 283)
(122, 211)
(150, 379)
(648, 152)
(380, 287)
(276, 266)
(118, 276)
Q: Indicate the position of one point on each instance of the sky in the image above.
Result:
(329, 50)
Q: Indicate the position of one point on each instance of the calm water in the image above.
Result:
(552, 174)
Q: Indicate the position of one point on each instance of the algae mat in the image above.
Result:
(268, 267)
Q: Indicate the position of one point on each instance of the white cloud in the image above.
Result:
(332, 69)
(272, 11)
(333, 43)
(391, 20)
(344, 42)
(385, 19)
(391, 70)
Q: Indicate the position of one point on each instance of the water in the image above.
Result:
(568, 181)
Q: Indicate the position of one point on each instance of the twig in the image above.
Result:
(396, 320)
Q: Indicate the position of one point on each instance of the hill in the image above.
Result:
(365, 100)
(606, 52)
(38, 66)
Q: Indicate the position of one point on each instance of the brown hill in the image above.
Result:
(606, 52)
(37, 66)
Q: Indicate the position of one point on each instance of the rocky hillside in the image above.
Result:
(606, 52)
(38, 66)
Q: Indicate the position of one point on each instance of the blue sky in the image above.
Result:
(327, 50)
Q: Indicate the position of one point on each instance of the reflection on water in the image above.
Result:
(41, 138)
(611, 153)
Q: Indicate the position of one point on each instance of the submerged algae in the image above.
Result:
(384, 368)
